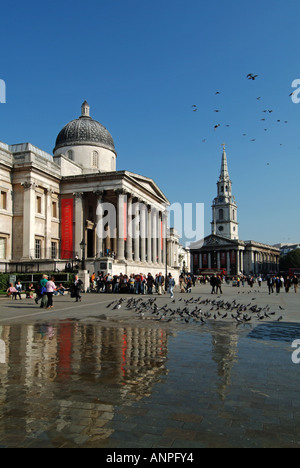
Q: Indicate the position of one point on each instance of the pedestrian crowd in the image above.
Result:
(139, 284)
(132, 284)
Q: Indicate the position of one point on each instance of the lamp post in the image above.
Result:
(83, 246)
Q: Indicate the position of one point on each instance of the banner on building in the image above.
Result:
(67, 228)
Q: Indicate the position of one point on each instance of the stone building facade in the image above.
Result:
(74, 203)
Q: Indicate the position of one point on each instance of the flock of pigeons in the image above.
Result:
(193, 311)
(252, 77)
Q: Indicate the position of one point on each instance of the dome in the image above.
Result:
(84, 131)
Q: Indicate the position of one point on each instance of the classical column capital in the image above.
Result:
(78, 195)
(99, 194)
(28, 185)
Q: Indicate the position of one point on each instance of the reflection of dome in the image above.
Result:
(84, 131)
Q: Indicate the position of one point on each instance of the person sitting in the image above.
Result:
(11, 291)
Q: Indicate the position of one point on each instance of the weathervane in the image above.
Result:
(223, 144)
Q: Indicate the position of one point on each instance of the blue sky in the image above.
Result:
(142, 65)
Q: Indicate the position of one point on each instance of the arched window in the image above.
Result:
(95, 159)
(70, 155)
(221, 215)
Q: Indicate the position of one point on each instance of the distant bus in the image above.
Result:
(212, 271)
(294, 271)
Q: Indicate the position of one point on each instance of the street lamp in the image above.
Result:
(83, 246)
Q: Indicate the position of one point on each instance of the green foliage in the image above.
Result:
(291, 260)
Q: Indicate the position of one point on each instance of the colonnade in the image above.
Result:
(134, 229)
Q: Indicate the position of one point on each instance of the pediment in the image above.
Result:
(213, 240)
(147, 185)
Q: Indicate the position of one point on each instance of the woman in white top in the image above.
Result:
(50, 288)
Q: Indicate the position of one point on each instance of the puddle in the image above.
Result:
(76, 384)
(282, 331)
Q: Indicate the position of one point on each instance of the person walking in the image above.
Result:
(287, 284)
(43, 291)
(50, 288)
(218, 284)
(295, 282)
(160, 280)
(19, 290)
(270, 283)
(181, 283)
(76, 289)
(213, 283)
(171, 285)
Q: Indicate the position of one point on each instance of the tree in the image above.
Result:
(291, 260)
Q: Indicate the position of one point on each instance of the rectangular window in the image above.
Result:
(53, 250)
(37, 248)
(3, 200)
(2, 248)
(54, 209)
(39, 205)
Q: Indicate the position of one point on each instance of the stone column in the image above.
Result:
(121, 224)
(99, 194)
(164, 253)
(136, 229)
(242, 261)
(29, 208)
(228, 262)
(200, 260)
(48, 215)
(154, 235)
(129, 228)
(143, 230)
(209, 260)
(78, 234)
(159, 220)
(149, 232)
(237, 262)
(218, 260)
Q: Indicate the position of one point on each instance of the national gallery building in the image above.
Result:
(74, 203)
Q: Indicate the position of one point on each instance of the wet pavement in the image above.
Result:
(90, 376)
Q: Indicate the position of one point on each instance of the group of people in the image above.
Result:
(278, 282)
(44, 291)
(133, 284)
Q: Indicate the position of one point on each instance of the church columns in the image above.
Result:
(228, 262)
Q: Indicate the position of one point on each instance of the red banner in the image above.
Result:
(67, 228)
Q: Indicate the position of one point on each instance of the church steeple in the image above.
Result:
(224, 215)
(224, 175)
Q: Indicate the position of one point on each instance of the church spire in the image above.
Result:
(224, 175)
(224, 219)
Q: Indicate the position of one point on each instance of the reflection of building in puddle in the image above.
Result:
(224, 353)
(74, 375)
